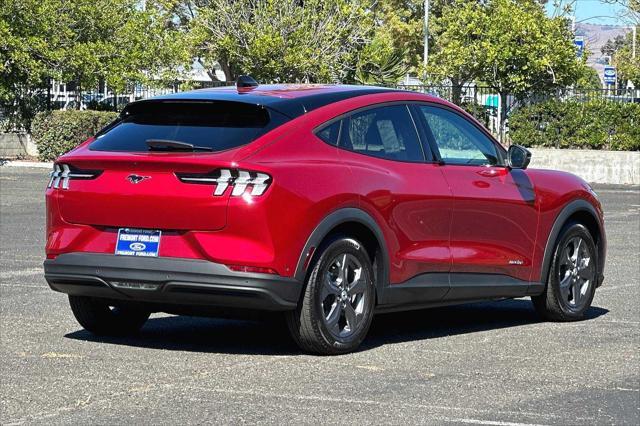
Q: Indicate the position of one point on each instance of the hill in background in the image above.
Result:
(595, 37)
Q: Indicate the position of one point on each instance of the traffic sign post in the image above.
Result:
(610, 74)
(578, 41)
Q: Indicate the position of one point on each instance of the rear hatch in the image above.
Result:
(132, 174)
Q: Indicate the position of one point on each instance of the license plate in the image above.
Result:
(138, 242)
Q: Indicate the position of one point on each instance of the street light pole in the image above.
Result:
(426, 34)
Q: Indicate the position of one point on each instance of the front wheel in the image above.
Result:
(572, 277)
(98, 317)
(336, 310)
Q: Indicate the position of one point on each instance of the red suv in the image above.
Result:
(329, 203)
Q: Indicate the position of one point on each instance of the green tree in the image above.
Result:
(396, 42)
(30, 48)
(588, 78)
(118, 42)
(84, 41)
(626, 62)
(620, 49)
(627, 66)
(380, 62)
(401, 22)
(612, 45)
(511, 45)
(456, 54)
(278, 40)
(525, 51)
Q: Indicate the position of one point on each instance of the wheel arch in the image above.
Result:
(581, 212)
(355, 223)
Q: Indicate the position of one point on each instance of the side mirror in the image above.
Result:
(518, 157)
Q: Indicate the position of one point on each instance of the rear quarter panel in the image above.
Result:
(308, 183)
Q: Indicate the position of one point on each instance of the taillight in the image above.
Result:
(238, 180)
(63, 173)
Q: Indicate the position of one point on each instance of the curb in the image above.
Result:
(33, 164)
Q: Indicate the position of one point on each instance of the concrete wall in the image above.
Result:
(614, 167)
(17, 145)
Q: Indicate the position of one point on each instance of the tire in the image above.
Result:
(571, 284)
(96, 316)
(334, 314)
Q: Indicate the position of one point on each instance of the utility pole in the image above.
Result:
(426, 33)
(633, 41)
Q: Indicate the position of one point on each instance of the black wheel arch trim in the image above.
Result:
(331, 221)
(570, 209)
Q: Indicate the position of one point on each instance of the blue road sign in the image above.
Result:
(609, 74)
(579, 42)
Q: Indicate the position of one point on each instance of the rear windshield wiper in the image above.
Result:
(169, 145)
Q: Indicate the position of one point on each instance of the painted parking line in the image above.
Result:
(489, 422)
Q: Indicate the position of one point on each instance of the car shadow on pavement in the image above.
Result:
(455, 320)
(270, 336)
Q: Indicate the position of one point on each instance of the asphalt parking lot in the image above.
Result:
(491, 363)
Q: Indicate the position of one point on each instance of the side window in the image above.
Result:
(459, 141)
(386, 132)
(330, 133)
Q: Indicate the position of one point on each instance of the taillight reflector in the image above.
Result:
(252, 269)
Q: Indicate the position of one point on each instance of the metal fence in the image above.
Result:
(60, 96)
(465, 95)
(488, 96)
(483, 102)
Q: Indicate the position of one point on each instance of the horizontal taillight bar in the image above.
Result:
(63, 173)
(238, 180)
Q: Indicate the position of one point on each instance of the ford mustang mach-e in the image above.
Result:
(328, 203)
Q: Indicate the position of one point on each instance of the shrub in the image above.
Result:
(57, 132)
(594, 124)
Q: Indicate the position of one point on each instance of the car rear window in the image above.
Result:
(218, 125)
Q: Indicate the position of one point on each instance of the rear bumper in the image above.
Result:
(169, 281)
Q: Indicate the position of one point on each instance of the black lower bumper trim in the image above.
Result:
(169, 281)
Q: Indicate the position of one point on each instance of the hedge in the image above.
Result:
(595, 124)
(57, 132)
(571, 124)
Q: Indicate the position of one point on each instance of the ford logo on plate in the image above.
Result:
(137, 246)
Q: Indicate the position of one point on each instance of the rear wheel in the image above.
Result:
(336, 310)
(572, 278)
(98, 317)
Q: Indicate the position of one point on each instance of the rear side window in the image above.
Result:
(331, 133)
(386, 132)
(217, 125)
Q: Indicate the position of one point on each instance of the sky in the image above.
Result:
(594, 12)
